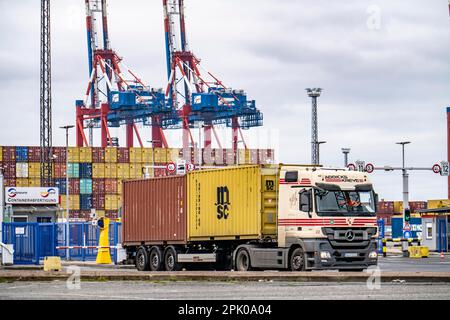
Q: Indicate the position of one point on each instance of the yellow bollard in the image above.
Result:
(103, 255)
(52, 264)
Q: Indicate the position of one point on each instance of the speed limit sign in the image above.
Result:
(171, 167)
(351, 167)
(436, 168)
(369, 168)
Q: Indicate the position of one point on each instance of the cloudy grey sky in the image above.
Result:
(383, 65)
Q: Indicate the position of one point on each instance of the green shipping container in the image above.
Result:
(85, 186)
(73, 170)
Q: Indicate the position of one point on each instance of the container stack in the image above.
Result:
(96, 174)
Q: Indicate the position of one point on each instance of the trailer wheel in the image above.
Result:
(170, 260)
(155, 259)
(142, 259)
(297, 261)
(243, 261)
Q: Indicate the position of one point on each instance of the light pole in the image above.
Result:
(405, 179)
(345, 151)
(67, 190)
(314, 93)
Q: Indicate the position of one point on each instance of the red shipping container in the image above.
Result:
(385, 207)
(74, 214)
(98, 201)
(417, 205)
(10, 182)
(111, 214)
(9, 154)
(110, 186)
(123, 155)
(145, 201)
(74, 185)
(60, 153)
(60, 170)
(98, 186)
(9, 169)
(98, 155)
(34, 154)
(160, 172)
(85, 215)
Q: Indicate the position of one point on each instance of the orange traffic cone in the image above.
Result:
(442, 255)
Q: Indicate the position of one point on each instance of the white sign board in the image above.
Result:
(360, 165)
(444, 168)
(33, 195)
(181, 166)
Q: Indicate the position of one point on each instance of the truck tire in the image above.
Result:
(156, 259)
(170, 260)
(243, 262)
(142, 259)
(297, 262)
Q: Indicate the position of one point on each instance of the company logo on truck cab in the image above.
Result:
(223, 202)
(338, 178)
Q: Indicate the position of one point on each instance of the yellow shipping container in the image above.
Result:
(34, 170)
(34, 182)
(135, 155)
(111, 155)
(111, 170)
(234, 202)
(74, 200)
(111, 202)
(85, 154)
(434, 204)
(173, 154)
(119, 186)
(1, 153)
(147, 155)
(100, 213)
(398, 206)
(160, 155)
(136, 170)
(22, 182)
(244, 156)
(98, 170)
(74, 154)
(123, 170)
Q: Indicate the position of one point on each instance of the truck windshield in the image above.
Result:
(345, 203)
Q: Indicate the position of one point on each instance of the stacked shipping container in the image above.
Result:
(96, 174)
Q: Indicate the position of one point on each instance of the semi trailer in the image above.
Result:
(255, 217)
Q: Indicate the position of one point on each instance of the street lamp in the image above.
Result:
(67, 190)
(345, 151)
(405, 180)
(314, 93)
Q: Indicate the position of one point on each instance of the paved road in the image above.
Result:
(219, 290)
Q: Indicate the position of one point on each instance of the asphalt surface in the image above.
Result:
(221, 291)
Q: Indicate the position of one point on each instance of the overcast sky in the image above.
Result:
(383, 64)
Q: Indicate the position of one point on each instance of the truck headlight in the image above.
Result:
(373, 255)
(325, 255)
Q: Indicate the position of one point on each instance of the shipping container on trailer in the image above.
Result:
(252, 216)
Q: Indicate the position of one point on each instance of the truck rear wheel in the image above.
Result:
(156, 259)
(170, 260)
(297, 261)
(243, 261)
(142, 259)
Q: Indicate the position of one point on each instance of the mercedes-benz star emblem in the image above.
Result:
(350, 235)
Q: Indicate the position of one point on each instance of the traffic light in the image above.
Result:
(407, 215)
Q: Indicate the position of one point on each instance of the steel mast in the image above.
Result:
(45, 97)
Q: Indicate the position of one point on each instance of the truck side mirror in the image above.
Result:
(306, 201)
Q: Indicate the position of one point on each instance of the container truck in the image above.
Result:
(253, 217)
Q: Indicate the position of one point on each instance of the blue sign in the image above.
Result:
(415, 225)
(406, 234)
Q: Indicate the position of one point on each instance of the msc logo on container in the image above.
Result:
(223, 202)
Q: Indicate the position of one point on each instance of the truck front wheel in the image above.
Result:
(170, 260)
(297, 261)
(155, 259)
(243, 261)
(142, 259)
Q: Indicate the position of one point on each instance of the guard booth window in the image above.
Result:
(44, 219)
(20, 219)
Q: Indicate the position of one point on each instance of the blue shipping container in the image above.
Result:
(86, 202)
(86, 170)
(61, 185)
(22, 154)
(397, 227)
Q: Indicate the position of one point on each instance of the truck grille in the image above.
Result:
(349, 237)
